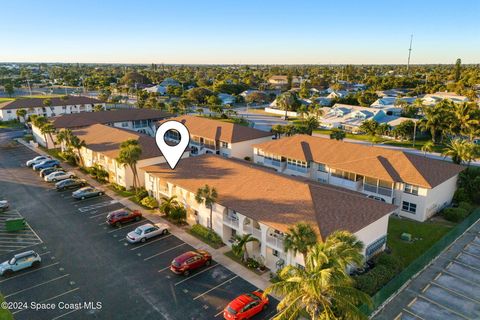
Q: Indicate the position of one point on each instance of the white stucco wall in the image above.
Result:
(243, 149)
(373, 231)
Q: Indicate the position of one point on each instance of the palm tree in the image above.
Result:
(370, 127)
(168, 204)
(467, 118)
(437, 120)
(208, 196)
(239, 248)
(289, 130)
(427, 147)
(456, 150)
(64, 136)
(337, 134)
(311, 123)
(286, 101)
(323, 289)
(130, 152)
(77, 144)
(300, 238)
(21, 114)
(47, 129)
(277, 130)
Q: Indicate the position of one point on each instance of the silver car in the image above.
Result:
(36, 160)
(147, 231)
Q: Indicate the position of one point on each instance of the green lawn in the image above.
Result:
(424, 235)
(238, 260)
(12, 124)
(123, 193)
(6, 99)
(4, 313)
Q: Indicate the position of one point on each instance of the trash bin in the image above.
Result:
(15, 224)
(406, 237)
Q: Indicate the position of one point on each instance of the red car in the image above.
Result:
(246, 306)
(189, 261)
(119, 217)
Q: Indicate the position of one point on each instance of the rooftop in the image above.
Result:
(82, 119)
(219, 130)
(274, 199)
(376, 162)
(106, 140)
(38, 102)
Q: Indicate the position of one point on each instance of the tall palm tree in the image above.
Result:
(168, 204)
(289, 130)
(300, 238)
(130, 152)
(21, 114)
(323, 289)
(277, 130)
(311, 123)
(239, 248)
(467, 118)
(77, 144)
(456, 150)
(437, 120)
(208, 196)
(286, 101)
(65, 136)
(47, 129)
(427, 147)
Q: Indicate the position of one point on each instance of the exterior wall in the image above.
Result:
(373, 232)
(440, 196)
(11, 114)
(39, 138)
(244, 149)
(281, 112)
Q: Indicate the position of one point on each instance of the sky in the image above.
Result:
(239, 32)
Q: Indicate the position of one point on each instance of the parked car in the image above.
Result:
(46, 164)
(245, 306)
(189, 261)
(70, 184)
(147, 231)
(119, 217)
(19, 262)
(87, 192)
(47, 171)
(36, 160)
(58, 176)
(4, 205)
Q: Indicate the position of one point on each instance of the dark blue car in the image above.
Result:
(46, 164)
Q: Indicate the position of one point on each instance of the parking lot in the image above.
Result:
(12, 241)
(447, 289)
(86, 260)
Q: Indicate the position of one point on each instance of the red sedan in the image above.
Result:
(246, 306)
(119, 217)
(189, 261)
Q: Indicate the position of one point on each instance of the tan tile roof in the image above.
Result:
(376, 162)
(76, 120)
(274, 199)
(106, 140)
(219, 130)
(38, 102)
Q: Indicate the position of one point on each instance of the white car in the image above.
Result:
(147, 231)
(19, 262)
(36, 160)
(58, 176)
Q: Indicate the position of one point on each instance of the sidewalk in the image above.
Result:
(260, 282)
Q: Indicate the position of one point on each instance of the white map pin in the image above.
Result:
(172, 153)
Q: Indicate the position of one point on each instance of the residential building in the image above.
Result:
(434, 98)
(226, 98)
(223, 138)
(102, 146)
(58, 106)
(391, 103)
(417, 185)
(139, 120)
(161, 88)
(260, 202)
(337, 94)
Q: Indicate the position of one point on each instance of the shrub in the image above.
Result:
(69, 157)
(247, 159)
(149, 202)
(455, 214)
(387, 267)
(366, 283)
(140, 194)
(118, 187)
(206, 233)
(460, 195)
(389, 261)
(467, 206)
(178, 214)
(252, 263)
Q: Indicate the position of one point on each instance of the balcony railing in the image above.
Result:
(272, 162)
(232, 222)
(276, 242)
(257, 233)
(377, 189)
(297, 168)
(346, 183)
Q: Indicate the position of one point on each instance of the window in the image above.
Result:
(297, 165)
(409, 207)
(375, 246)
(322, 167)
(224, 154)
(409, 188)
(224, 144)
(275, 253)
(124, 124)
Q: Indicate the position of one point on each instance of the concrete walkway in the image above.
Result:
(154, 216)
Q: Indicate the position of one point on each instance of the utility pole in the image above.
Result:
(409, 54)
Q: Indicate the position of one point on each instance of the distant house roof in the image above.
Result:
(274, 199)
(219, 130)
(438, 96)
(376, 162)
(169, 82)
(226, 98)
(83, 119)
(21, 103)
(106, 140)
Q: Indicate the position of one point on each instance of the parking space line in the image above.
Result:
(218, 314)
(98, 215)
(466, 266)
(413, 314)
(163, 269)
(454, 292)
(217, 286)
(165, 251)
(19, 241)
(44, 253)
(196, 274)
(46, 300)
(442, 306)
(37, 285)
(28, 272)
(65, 314)
(150, 242)
(127, 226)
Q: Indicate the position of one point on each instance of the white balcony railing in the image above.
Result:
(276, 242)
(231, 222)
(257, 233)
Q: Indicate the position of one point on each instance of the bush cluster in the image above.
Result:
(206, 233)
(149, 202)
(386, 267)
(455, 214)
(140, 194)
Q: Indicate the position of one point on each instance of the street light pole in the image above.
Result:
(414, 132)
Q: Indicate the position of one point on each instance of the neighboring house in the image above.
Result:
(260, 202)
(103, 147)
(350, 118)
(418, 185)
(226, 98)
(392, 92)
(391, 104)
(337, 94)
(59, 106)
(161, 88)
(223, 138)
(278, 81)
(140, 120)
(432, 99)
(324, 101)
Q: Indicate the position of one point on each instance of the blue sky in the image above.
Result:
(260, 31)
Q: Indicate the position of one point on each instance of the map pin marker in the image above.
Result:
(172, 153)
